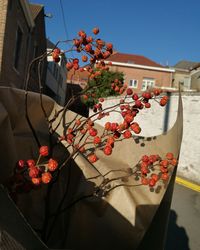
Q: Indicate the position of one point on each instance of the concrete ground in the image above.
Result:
(184, 223)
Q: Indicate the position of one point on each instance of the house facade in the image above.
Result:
(187, 75)
(140, 72)
(22, 38)
(56, 76)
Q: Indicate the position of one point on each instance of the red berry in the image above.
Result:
(70, 138)
(109, 46)
(157, 92)
(84, 58)
(173, 162)
(93, 132)
(89, 39)
(107, 150)
(52, 165)
(44, 150)
(136, 128)
(129, 91)
(153, 158)
(56, 50)
(135, 97)
(92, 158)
(152, 182)
(147, 105)
(169, 156)
(33, 172)
(75, 61)
(46, 177)
(145, 158)
(36, 181)
(114, 126)
(127, 134)
(82, 34)
(155, 177)
(144, 164)
(144, 170)
(101, 99)
(163, 169)
(95, 30)
(163, 100)
(76, 66)
(88, 48)
(85, 97)
(97, 140)
(106, 54)
(76, 42)
(78, 122)
(110, 141)
(82, 149)
(165, 176)
(138, 103)
(30, 163)
(147, 95)
(164, 163)
(116, 135)
(69, 65)
(144, 181)
(129, 118)
(21, 164)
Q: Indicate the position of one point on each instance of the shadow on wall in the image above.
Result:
(176, 236)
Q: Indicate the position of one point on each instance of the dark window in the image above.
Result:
(18, 47)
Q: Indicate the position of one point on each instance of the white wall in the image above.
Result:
(152, 123)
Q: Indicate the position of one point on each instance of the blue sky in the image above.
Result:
(165, 31)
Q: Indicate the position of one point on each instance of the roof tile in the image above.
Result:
(132, 59)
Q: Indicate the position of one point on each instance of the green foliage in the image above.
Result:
(103, 89)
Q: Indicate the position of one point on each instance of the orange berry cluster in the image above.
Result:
(153, 169)
(118, 86)
(94, 50)
(112, 130)
(29, 173)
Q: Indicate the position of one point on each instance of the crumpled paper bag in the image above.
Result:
(127, 218)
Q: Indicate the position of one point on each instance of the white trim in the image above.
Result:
(140, 66)
(27, 13)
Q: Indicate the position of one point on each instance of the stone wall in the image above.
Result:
(157, 120)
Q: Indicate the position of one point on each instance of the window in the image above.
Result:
(148, 83)
(187, 82)
(133, 83)
(18, 47)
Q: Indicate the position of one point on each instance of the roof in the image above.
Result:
(35, 9)
(187, 65)
(132, 59)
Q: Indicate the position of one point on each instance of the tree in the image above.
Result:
(105, 89)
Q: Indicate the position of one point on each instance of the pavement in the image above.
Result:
(184, 222)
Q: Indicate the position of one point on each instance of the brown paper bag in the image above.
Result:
(129, 217)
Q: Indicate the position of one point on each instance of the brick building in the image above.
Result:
(141, 72)
(22, 38)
